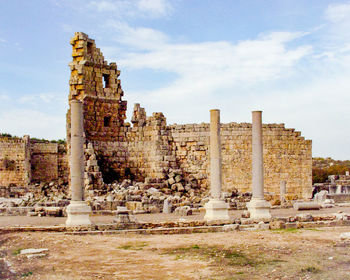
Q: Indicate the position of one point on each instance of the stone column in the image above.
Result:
(283, 190)
(216, 208)
(78, 211)
(258, 207)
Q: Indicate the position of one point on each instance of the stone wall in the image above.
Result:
(287, 156)
(140, 152)
(44, 161)
(14, 161)
(96, 84)
(23, 161)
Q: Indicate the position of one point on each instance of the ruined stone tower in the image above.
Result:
(96, 83)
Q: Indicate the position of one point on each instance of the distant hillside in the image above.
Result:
(323, 167)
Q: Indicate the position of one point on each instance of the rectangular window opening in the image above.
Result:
(105, 81)
(107, 121)
(89, 48)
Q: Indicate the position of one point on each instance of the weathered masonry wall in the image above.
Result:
(149, 152)
(96, 84)
(141, 151)
(44, 161)
(14, 161)
(23, 161)
(287, 156)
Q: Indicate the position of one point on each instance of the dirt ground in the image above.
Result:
(270, 254)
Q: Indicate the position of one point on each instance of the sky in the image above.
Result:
(288, 58)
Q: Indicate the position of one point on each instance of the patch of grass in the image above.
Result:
(133, 246)
(221, 256)
(29, 273)
(179, 257)
(313, 229)
(286, 230)
(274, 261)
(310, 269)
(17, 251)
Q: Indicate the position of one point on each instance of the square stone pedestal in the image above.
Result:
(216, 209)
(259, 209)
(78, 214)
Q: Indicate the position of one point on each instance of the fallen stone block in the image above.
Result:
(277, 225)
(306, 206)
(307, 217)
(31, 256)
(230, 227)
(33, 251)
(262, 226)
(345, 236)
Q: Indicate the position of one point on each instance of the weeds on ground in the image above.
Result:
(294, 230)
(26, 274)
(310, 269)
(17, 251)
(133, 246)
(221, 256)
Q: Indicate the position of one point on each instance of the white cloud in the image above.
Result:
(2, 40)
(45, 98)
(205, 67)
(155, 8)
(140, 8)
(4, 97)
(336, 36)
(338, 13)
(142, 38)
(32, 122)
(105, 6)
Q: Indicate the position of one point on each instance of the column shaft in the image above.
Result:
(77, 151)
(215, 154)
(215, 208)
(257, 156)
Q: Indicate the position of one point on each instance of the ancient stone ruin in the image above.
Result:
(149, 149)
(173, 159)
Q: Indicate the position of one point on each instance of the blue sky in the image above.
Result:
(290, 59)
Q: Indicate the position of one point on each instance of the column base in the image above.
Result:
(259, 209)
(216, 209)
(78, 214)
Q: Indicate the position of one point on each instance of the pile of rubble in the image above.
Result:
(44, 199)
(43, 194)
(182, 196)
(149, 197)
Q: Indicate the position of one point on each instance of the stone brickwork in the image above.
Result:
(23, 161)
(140, 151)
(287, 156)
(44, 161)
(150, 150)
(62, 162)
(96, 83)
(14, 161)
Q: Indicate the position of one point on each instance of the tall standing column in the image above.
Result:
(215, 155)
(258, 207)
(216, 208)
(78, 211)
